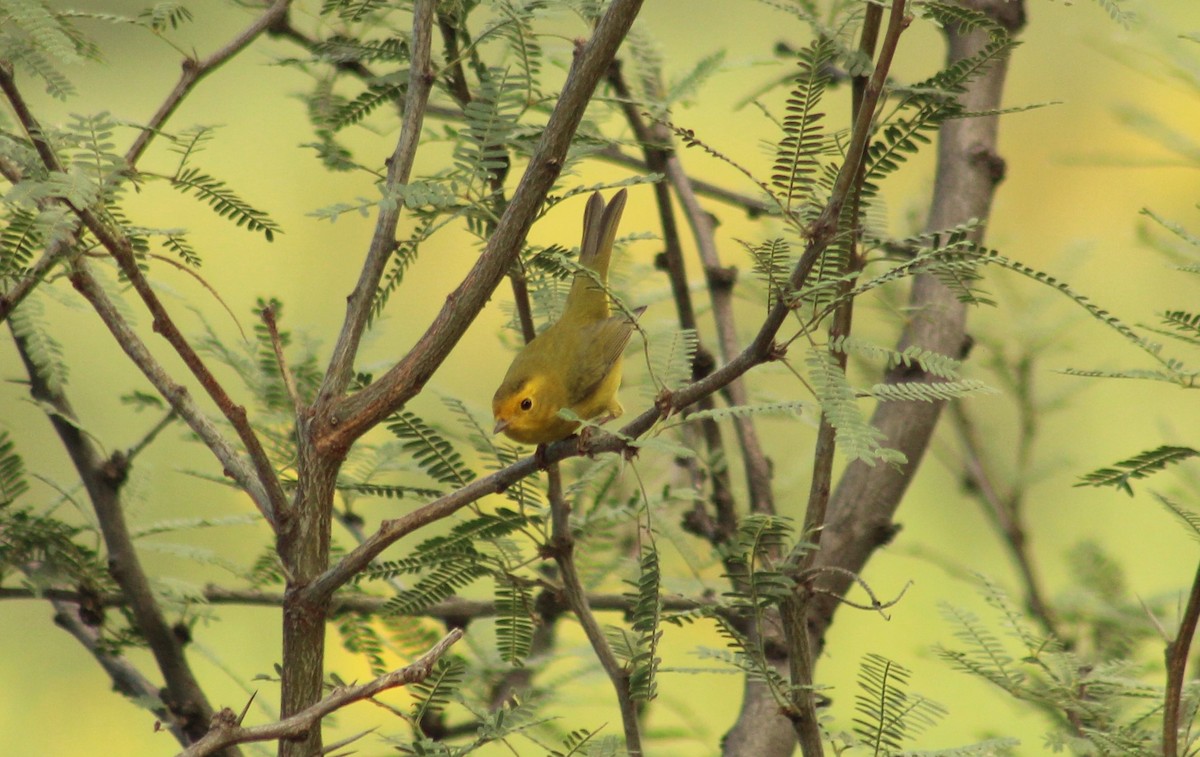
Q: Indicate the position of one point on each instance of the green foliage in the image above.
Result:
(646, 616)
(1092, 693)
(757, 576)
(856, 437)
(773, 263)
(433, 694)
(888, 715)
(514, 619)
(432, 451)
(224, 201)
(935, 364)
(28, 324)
(1142, 465)
(927, 391)
(360, 637)
(796, 158)
(12, 472)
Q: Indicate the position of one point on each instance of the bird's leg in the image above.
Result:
(539, 457)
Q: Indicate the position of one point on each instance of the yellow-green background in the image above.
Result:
(1077, 177)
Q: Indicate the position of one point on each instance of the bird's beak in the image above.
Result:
(501, 424)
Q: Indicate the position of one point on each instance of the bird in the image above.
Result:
(575, 363)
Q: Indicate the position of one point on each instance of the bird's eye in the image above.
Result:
(526, 404)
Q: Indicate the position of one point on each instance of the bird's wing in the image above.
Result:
(601, 345)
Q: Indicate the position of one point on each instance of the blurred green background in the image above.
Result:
(1079, 172)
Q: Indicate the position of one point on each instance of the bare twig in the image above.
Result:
(1005, 511)
(194, 70)
(655, 143)
(562, 547)
(176, 395)
(455, 608)
(289, 381)
(1177, 658)
(227, 729)
(383, 242)
(125, 678)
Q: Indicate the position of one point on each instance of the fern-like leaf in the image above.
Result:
(435, 692)
(772, 266)
(647, 618)
(514, 619)
(1141, 465)
(856, 437)
(28, 325)
(431, 451)
(887, 714)
(796, 163)
(12, 472)
(225, 202)
(19, 239)
(933, 363)
(359, 637)
(1189, 518)
(927, 391)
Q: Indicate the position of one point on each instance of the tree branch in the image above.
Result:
(194, 70)
(383, 242)
(562, 547)
(121, 249)
(175, 394)
(1177, 658)
(125, 678)
(968, 171)
(103, 480)
(227, 730)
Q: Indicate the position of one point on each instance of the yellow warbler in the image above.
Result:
(576, 362)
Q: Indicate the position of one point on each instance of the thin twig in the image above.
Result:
(383, 241)
(194, 70)
(227, 728)
(175, 394)
(126, 678)
(455, 608)
(562, 547)
(655, 143)
(720, 289)
(289, 381)
(1177, 658)
(1005, 511)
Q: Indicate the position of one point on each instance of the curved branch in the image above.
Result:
(195, 70)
